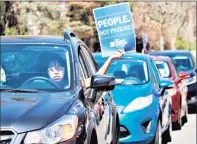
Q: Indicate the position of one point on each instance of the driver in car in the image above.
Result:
(56, 69)
(105, 66)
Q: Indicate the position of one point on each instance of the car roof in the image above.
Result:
(137, 56)
(163, 58)
(171, 52)
(25, 39)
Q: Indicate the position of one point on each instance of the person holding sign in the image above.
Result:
(59, 73)
(56, 69)
(105, 66)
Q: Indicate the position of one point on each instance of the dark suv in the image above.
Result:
(34, 109)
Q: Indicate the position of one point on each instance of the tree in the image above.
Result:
(161, 19)
(2, 15)
(170, 15)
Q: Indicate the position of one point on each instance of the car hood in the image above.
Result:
(124, 94)
(24, 112)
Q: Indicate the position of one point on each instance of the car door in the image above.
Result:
(177, 80)
(165, 99)
(102, 105)
(182, 88)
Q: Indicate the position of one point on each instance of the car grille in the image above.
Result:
(7, 136)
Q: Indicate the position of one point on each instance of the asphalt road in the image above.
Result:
(187, 135)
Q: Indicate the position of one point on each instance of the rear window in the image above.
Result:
(183, 63)
(163, 68)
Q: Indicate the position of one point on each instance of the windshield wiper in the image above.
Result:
(19, 90)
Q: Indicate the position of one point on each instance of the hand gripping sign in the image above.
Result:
(115, 28)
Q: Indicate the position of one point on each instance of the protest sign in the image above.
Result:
(115, 28)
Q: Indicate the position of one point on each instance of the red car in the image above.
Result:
(178, 92)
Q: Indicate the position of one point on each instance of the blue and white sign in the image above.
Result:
(115, 28)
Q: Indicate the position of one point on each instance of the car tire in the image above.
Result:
(167, 135)
(158, 135)
(178, 124)
(184, 118)
(93, 138)
(117, 134)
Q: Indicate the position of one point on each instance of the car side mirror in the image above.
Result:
(166, 84)
(103, 82)
(183, 75)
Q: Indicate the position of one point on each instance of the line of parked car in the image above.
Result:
(140, 100)
(152, 94)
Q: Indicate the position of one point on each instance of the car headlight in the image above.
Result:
(61, 130)
(190, 80)
(139, 103)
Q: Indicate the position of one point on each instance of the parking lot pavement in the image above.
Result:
(187, 135)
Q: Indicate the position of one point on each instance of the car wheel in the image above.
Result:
(158, 136)
(184, 119)
(167, 135)
(93, 139)
(116, 135)
(178, 124)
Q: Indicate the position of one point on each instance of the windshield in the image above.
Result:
(36, 66)
(163, 68)
(128, 71)
(182, 63)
